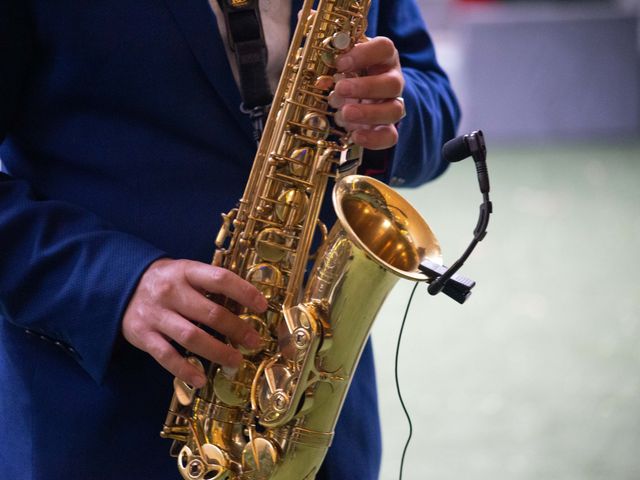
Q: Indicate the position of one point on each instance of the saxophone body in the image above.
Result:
(274, 417)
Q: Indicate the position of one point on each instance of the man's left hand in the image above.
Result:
(370, 105)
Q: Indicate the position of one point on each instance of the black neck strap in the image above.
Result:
(246, 39)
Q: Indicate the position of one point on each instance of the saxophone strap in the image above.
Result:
(245, 37)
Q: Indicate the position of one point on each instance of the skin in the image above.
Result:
(169, 300)
(372, 107)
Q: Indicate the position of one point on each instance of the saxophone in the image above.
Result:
(273, 418)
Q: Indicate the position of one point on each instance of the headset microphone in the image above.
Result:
(443, 279)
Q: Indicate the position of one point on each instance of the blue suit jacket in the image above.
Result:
(122, 142)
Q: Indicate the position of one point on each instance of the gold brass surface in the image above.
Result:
(274, 417)
(385, 225)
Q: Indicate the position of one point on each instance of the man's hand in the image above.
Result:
(369, 105)
(170, 298)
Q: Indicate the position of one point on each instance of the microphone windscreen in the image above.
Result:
(456, 149)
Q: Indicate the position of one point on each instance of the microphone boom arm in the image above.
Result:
(443, 279)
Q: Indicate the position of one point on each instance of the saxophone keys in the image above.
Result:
(292, 206)
(261, 327)
(324, 82)
(259, 458)
(266, 278)
(300, 161)
(185, 392)
(223, 233)
(213, 464)
(341, 40)
(218, 258)
(272, 245)
(317, 125)
(328, 53)
(334, 45)
(234, 388)
(274, 392)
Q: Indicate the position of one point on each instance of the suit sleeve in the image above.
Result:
(64, 273)
(432, 109)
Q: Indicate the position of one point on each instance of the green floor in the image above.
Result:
(537, 376)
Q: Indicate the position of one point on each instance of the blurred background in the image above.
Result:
(537, 376)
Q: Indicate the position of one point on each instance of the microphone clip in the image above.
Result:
(456, 287)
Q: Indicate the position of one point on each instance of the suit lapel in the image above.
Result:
(197, 23)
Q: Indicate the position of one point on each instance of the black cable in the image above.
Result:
(404, 408)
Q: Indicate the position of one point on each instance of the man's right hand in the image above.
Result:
(170, 298)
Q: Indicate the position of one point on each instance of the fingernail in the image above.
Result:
(338, 76)
(344, 63)
(336, 100)
(261, 303)
(353, 114)
(359, 137)
(339, 119)
(252, 339)
(234, 360)
(229, 372)
(199, 381)
(345, 88)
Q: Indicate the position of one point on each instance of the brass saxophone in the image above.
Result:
(274, 417)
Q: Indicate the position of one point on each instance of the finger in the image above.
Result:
(379, 51)
(386, 85)
(167, 356)
(198, 308)
(349, 126)
(378, 138)
(222, 281)
(338, 101)
(197, 340)
(380, 113)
